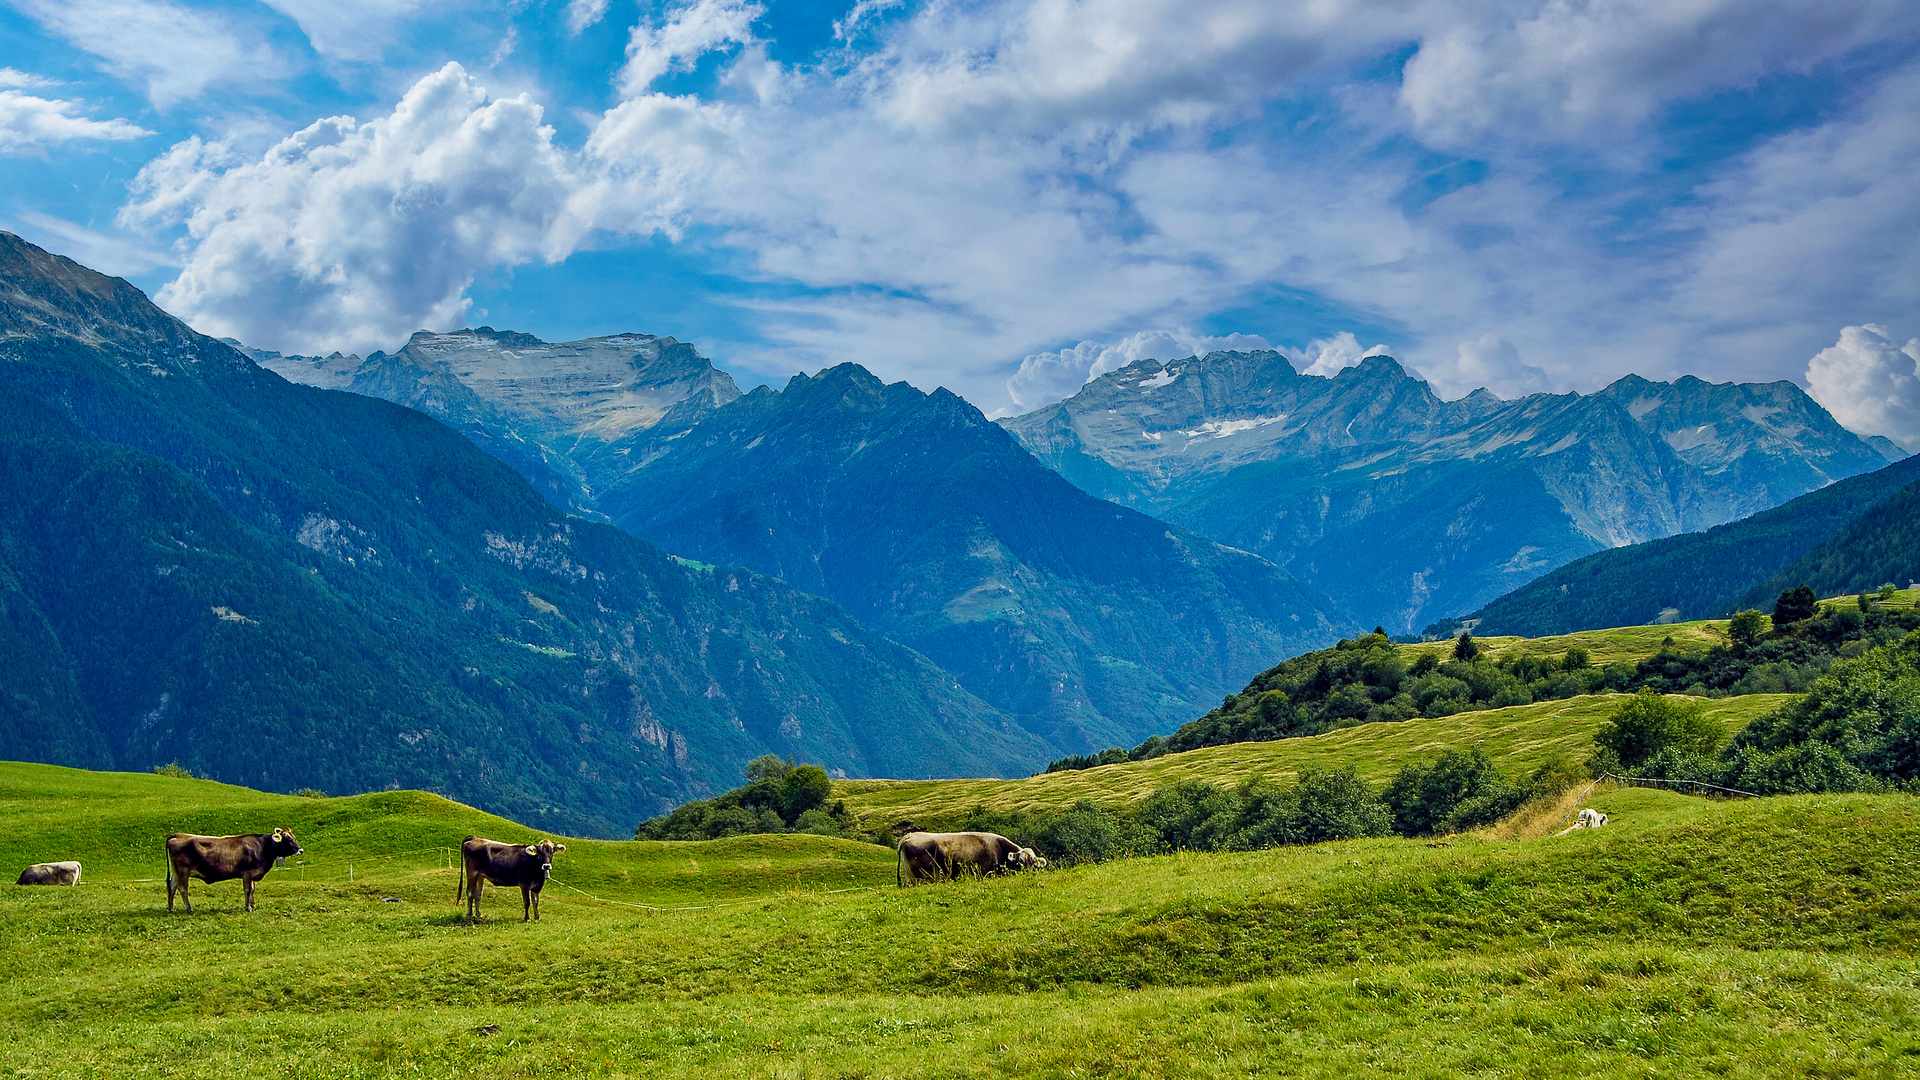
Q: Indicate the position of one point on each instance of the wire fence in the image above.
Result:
(1648, 781)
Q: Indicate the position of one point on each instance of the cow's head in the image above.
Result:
(284, 845)
(1028, 859)
(545, 851)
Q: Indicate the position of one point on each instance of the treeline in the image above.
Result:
(1461, 789)
(778, 797)
(1367, 679)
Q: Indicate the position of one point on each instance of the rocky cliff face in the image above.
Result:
(1405, 507)
(567, 415)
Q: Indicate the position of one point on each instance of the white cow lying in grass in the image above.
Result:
(1589, 819)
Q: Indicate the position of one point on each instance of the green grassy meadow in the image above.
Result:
(1519, 738)
(1758, 938)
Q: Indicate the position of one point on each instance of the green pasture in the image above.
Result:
(1519, 738)
(1758, 938)
(1629, 643)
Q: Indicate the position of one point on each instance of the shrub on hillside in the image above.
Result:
(778, 796)
(1647, 724)
(1461, 789)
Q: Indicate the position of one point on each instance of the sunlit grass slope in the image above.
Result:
(1626, 642)
(1762, 938)
(1519, 738)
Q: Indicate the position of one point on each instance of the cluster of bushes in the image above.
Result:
(778, 796)
(1367, 679)
(1462, 789)
(1857, 729)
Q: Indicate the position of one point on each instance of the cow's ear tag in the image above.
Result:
(531, 850)
(559, 847)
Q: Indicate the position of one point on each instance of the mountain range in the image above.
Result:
(286, 586)
(1405, 507)
(1087, 622)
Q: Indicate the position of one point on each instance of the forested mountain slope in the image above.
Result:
(1086, 621)
(289, 587)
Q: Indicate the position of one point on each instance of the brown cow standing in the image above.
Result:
(222, 858)
(527, 866)
(933, 856)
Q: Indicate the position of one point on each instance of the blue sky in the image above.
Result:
(1008, 196)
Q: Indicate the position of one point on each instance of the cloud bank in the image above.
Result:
(954, 194)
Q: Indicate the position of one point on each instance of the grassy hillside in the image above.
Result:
(1517, 738)
(1765, 938)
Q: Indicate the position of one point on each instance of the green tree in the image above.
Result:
(1795, 605)
(1465, 648)
(1649, 722)
(1747, 627)
(803, 788)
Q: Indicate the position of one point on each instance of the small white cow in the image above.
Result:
(1589, 819)
(51, 873)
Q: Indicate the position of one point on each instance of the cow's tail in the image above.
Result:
(899, 860)
(459, 890)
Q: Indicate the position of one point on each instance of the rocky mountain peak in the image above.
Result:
(44, 297)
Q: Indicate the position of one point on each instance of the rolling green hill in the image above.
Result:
(1517, 738)
(1761, 938)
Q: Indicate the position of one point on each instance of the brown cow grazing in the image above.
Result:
(222, 858)
(929, 856)
(527, 866)
(50, 873)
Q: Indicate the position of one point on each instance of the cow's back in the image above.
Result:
(214, 858)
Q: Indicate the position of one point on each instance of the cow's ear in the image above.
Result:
(531, 850)
(276, 834)
(559, 847)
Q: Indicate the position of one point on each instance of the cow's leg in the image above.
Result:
(184, 897)
(169, 892)
(248, 884)
(526, 903)
(474, 885)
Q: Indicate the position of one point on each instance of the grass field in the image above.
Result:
(1628, 642)
(1763, 938)
(1519, 738)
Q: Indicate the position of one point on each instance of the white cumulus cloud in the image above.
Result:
(29, 123)
(350, 235)
(1870, 384)
(1331, 356)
